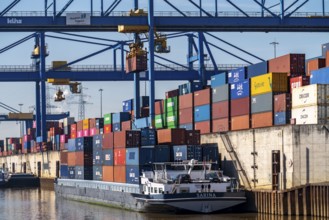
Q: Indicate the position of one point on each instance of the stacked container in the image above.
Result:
(315, 64)
(282, 109)
(97, 156)
(202, 110)
(263, 88)
(298, 81)
(171, 111)
(107, 123)
(186, 113)
(220, 107)
(257, 69)
(159, 111)
(107, 157)
(320, 76)
(240, 104)
(310, 104)
(118, 118)
(64, 171)
(292, 64)
(84, 158)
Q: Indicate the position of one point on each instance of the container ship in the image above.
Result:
(255, 123)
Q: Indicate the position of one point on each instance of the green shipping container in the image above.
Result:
(171, 104)
(108, 119)
(160, 121)
(172, 119)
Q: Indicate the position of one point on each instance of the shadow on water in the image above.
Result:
(39, 204)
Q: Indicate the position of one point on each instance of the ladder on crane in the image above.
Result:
(237, 164)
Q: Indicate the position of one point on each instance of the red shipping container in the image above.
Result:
(240, 107)
(108, 140)
(292, 64)
(125, 125)
(327, 58)
(83, 158)
(62, 146)
(315, 65)
(93, 131)
(264, 119)
(63, 157)
(174, 136)
(172, 93)
(80, 125)
(73, 135)
(158, 107)
(202, 97)
(80, 134)
(220, 110)
(119, 156)
(108, 173)
(64, 138)
(192, 137)
(282, 102)
(124, 139)
(186, 101)
(71, 158)
(73, 128)
(204, 127)
(107, 129)
(137, 63)
(119, 174)
(299, 81)
(220, 125)
(186, 116)
(240, 122)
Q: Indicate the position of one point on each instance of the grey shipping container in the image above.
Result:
(262, 103)
(97, 173)
(220, 93)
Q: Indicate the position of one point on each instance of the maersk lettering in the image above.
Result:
(14, 21)
(205, 195)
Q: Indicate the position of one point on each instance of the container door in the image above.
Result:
(39, 169)
(275, 169)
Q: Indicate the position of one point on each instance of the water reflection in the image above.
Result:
(42, 204)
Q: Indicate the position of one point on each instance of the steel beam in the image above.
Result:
(202, 78)
(151, 61)
(43, 86)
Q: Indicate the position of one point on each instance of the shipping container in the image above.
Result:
(172, 119)
(257, 69)
(126, 125)
(202, 97)
(315, 64)
(98, 173)
(116, 127)
(237, 75)
(160, 121)
(128, 105)
(189, 87)
(127, 139)
(108, 119)
(320, 76)
(161, 153)
(99, 123)
(85, 124)
(133, 174)
(186, 152)
(171, 104)
(270, 82)
(210, 153)
(84, 172)
(264, 119)
(83, 158)
(119, 174)
(119, 156)
(68, 121)
(140, 123)
(220, 110)
(204, 127)
(71, 145)
(220, 125)
(136, 63)
(262, 103)
(299, 81)
(186, 101)
(221, 93)
(84, 144)
(282, 102)
(108, 140)
(314, 114)
(132, 156)
(148, 136)
(159, 107)
(292, 64)
(310, 95)
(71, 170)
(239, 107)
(107, 128)
(120, 117)
(146, 155)
(172, 93)
(325, 48)
(193, 137)
(172, 136)
(240, 122)
(240, 90)
(282, 118)
(187, 126)
(218, 80)
(108, 173)
(186, 116)
(63, 157)
(64, 172)
(202, 113)
(107, 157)
(86, 133)
(97, 156)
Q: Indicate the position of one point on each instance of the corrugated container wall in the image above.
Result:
(320, 76)
(257, 69)
(218, 80)
(237, 75)
(315, 64)
(292, 64)
(221, 93)
(271, 82)
(240, 90)
(314, 114)
(310, 95)
(299, 81)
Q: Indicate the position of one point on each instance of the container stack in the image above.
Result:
(315, 64)
(292, 64)
(159, 111)
(257, 69)
(97, 156)
(202, 110)
(298, 81)
(107, 157)
(240, 101)
(186, 106)
(107, 123)
(310, 104)
(282, 109)
(263, 88)
(118, 118)
(171, 109)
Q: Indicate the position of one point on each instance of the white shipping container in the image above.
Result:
(311, 115)
(310, 95)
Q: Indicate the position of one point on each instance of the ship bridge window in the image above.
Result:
(155, 190)
(151, 189)
(160, 190)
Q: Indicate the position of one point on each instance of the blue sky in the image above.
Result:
(114, 92)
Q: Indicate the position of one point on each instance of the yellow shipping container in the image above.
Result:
(270, 82)
(85, 124)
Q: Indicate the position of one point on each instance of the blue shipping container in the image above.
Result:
(97, 156)
(120, 117)
(107, 157)
(237, 75)
(64, 173)
(189, 87)
(84, 144)
(141, 123)
(71, 172)
(257, 69)
(282, 118)
(320, 76)
(210, 153)
(162, 153)
(202, 113)
(179, 153)
(84, 172)
(132, 174)
(194, 152)
(146, 155)
(128, 105)
(148, 136)
(71, 145)
(97, 141)
(132, 156)
(187, 126)
(218, 80)
(240, 90)
(116, 127)
(98, 173)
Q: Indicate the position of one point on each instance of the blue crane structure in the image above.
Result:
(194, 25)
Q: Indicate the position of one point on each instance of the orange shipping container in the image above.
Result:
(108, 173)
(202, 97)
(220, 125)
(64, 157)
(240, 122)
(186, 101)
(172, 136)
(327, 58)
(92, 122)
(79, 125)
(125, 125)
(119, 156)
(119, 174)
(85, 124)
(264, 119)
(204, 127)
(315, 65)
(107, 129)
(71, 158)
